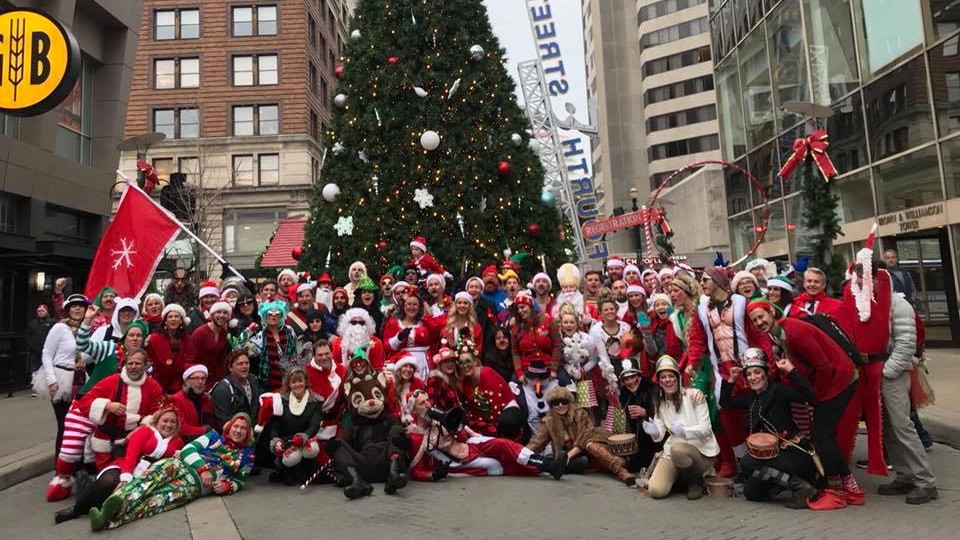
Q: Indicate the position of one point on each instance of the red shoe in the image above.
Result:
(828, 500)
(59, 489)
(853, 497)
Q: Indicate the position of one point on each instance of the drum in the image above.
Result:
(623, 445)
(763, 445)
(718, 487)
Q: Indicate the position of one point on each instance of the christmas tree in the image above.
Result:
(427, 140)
(821, 216)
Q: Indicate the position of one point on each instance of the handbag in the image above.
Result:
(921, 393)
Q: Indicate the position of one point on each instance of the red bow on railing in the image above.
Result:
(816, 146)
(149, 175)
(659, 217)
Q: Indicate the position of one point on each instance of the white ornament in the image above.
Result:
(376, 112)
(123, 254)
(507, 253)
(430, 140)
(535, 146)
(420, 91)
(483, 204)
(516, 139)
(355, 35)
(422, 197)
(453, 88)
(344, 226)
(460, 223)
(330, 192)
(363, 156)
(340, 100)
(338, 148)
(376, 184)
(476, 53)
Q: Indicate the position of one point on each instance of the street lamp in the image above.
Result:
(637, 235)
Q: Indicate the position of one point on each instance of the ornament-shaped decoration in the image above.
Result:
(422, 197)
(430, 140)
(420, 92)
(476, 53)
(340, 100)
(516, 139)
(547, 197)
(533, 229)
(393, 60)
(503, 168)
(330, 192)
(338, 71)
(344, 226)
(355, 35)
(362, 156)
(296, 252)
(375, 180)
(453, 88)
(338, 148)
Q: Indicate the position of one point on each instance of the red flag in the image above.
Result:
(132, 246)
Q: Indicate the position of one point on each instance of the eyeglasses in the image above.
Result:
(558, 402)
(358, 322)
(245, 303)
(705, 279)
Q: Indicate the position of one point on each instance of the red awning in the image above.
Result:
(289, 234)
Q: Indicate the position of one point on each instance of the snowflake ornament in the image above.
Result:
(338, 148)
(123, 254)
(344, 226)
(422, 197)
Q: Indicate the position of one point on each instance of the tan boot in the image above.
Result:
(610, 462)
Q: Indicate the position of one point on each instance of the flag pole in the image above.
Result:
(184, 228)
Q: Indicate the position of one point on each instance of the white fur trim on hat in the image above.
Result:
(541, 275)
(399, 285)
(308, 286)
(660, 296)
(405, 360)
(630, 268)
(209, 290)
(649, 272)
(665, 271)
(221, 306)
(418, 243)
(174, 308)
(287, 272)
(615, 262)
(196, 368)
(463, 295)
(275, 402)
(437, 277)
(152, 295)
(636, 288)
(756, 262)
(740, 276)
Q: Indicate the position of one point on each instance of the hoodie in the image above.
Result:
(113, 332)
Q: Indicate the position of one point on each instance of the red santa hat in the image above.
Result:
(445, 353)
(524, 298)
(195, 368)
(665, 271)
(489, 269)
(630, 268)
(288, 272)
(419, 243)
(209, 288)
(221, 306)
(540, 275)
(325, 279)
(635, 287)
(270, 406)
(463, 295)
(649, 272)
(308, 286)
(403, 360)
(437, 277)
(615, 262)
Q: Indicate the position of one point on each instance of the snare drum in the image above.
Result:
(763, 445)
(623, 445)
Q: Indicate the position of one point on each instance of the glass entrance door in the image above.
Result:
(922, 258)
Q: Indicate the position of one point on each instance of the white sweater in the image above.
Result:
(694, 416)
(60, 349)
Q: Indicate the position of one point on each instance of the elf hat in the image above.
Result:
(419, 243)
(780, 282)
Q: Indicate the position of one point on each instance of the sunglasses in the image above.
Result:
(559, 402)
(358, 323)
(245, 303)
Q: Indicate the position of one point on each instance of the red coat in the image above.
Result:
(193, 425)
(167, 365)
(827, 305)
(141, 398)
(145, 442)
(329, 386)
(873, 336)
(211, 350)
(421, 334)
(484, 400)
(540, 344)
(819, 359)
(375, 353)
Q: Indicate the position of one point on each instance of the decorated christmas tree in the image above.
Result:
(427, 140)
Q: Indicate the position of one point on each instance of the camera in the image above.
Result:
(452, 420)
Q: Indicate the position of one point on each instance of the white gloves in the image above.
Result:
(677, 430)
(650, 428)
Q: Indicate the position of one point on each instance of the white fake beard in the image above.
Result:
(575, 298)
(326, 298)
(354, 337)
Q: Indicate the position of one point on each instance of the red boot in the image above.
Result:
(59, 488)
(828, 500)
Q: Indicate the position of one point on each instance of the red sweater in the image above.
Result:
(167, 365)
(819, 359)
(193, 425)
(538, 344)
(484, 400)
(211, 350)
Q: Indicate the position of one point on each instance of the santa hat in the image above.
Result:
(615, 262)
(665, 271)
(221, 306)
(405, 360)
(630, 268)
(649, 272)
(863, 291)
(540, 275)
(209, 288)
(308, 286)
(658, 297)
(325, 279)
(288, 272)
(419, 243)
(152, 295)
(758, 262)
(270, 406)
(445, 353)
(474, 278)
(524, 298)
(463, 295)
(781, 282)
(399, 285)
(489, 269)
(173, 308)
(195, 368)
(686, 267)
(740, 276)
(635, 287)
(437, 277)
(568, 274)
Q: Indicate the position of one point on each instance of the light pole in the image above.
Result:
(637, 237)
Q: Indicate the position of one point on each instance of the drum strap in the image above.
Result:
(785, 442)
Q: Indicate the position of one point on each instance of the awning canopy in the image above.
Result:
(288, 235)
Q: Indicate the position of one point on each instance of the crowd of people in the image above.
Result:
(660, 377)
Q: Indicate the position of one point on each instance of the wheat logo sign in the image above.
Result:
(39, 62)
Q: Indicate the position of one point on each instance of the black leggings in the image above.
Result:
(826, 415)
(767, 477)
(60, 409)
(98, 491)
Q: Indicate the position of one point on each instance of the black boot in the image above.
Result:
(66, 514)
(800, 491)
(578, 465)
(358, 486)
(396, 478)
(547, 464)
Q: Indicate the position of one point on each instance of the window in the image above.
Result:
(176, 24)
(946, 92)
(268, 169)
(682, 118)
(254, 70)
(312, 26)
(262, 19)
(665, 7)
(183, 123)
(898, 117)
(675, 32)
(189, 166)
(248, 231)
(312, 69)
(833, 57)
(952, 80)
(324, 91)
(14, 214)
(676, 61)
(683, 147)
(242, 170)
(314, 125)
(680, 89)
(323, 47)
(163, 167)
(74, 119)
(890, 29)
(69, 225)
(256, 120)
(176, 73)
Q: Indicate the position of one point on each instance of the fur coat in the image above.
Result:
(577, 425)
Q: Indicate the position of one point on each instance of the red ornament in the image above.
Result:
(393, 60)
(503, 168)
(296, 252)
(338, 71)
(533, 229)
(382, 245)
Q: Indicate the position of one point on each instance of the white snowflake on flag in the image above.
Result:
(344, 226)
(338, 148)
(422, 197)
(123, 254)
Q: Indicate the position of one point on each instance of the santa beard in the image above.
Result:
(353, 337)
(325, 298)
(574, 298)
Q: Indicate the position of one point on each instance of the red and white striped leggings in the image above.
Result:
(76, 431)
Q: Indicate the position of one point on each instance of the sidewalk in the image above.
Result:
(26, 449)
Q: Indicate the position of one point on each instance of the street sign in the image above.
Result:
(616, 223)
(39, 62)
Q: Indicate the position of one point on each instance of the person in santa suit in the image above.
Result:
(833, 377)
(208, 294)
(167, 349)
(437, 301)
(636, 306)
(398, 293)
(208, 343)
(615, 266)
(193, 403)
(422, 260)
(297, 316)
(326, 381)
(157, 439)
(535, 337)
(406, 381)
(291, 431)
(814, 300)
(118, 403)
(489, 403)
(152, 311)
(325, 287)
(287, 278)
(356, 329)
(438, 450)
(407, 333)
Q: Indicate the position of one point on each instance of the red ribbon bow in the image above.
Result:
(149, 175)
(816, 146)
